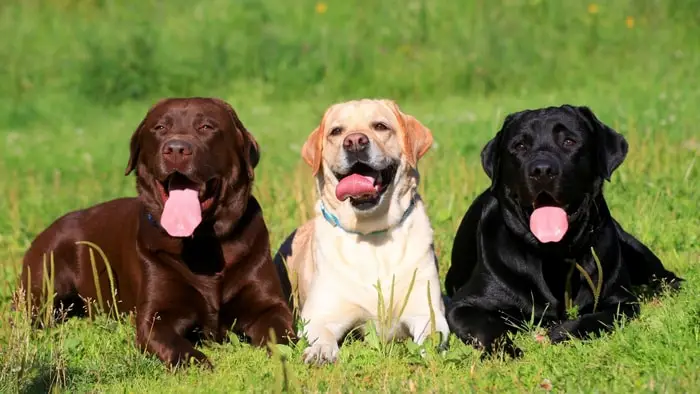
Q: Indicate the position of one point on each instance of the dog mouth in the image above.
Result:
(205, 192)
(364, 185)
(184, 200)
(549, 221)
(545, 199)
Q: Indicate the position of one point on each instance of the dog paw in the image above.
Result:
(443, 347)
(193, 357)
(420, 328)
(560, 333)
(321, 353)
(499, 347)
(206, 365)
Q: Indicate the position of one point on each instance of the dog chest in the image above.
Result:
(360, 265)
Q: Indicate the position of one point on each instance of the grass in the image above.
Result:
(79, 76)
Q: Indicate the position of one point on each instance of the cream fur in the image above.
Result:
(334, 272)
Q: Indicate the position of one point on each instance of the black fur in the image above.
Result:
(279, 259)
(501, 274)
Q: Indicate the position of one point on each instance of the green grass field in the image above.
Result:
(78, 76)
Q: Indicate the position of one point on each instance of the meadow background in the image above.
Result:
(77, 76)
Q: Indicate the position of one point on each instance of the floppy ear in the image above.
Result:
(490, 154)
(253, 150)
(311, 152)
(134, 148)
(417, 139)
(135, 144)
(490, 157)
(611, 146)
(250, 149)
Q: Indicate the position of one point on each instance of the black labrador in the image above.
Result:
(527, 246)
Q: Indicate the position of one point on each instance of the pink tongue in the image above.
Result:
(355, 185)
(549, 224)
(182, 213)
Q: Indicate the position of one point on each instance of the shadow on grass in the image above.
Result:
(48, 378)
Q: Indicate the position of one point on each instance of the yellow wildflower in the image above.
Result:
(321, 8)
(629, 22)
(593, 8)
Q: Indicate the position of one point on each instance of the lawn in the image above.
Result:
(79, 76)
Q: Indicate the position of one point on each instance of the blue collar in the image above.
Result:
(332, 219)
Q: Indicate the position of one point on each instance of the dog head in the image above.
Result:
(364, 155)
(550, 164)
(194, 162)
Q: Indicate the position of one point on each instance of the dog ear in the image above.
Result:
(490, 154)
(135, 144)
(252, 149)
(311, 152)
(250, 152)
(611, 146)
(417, 139)
(135, 148)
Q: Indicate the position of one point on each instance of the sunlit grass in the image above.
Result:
(78, 76)
(653, 195)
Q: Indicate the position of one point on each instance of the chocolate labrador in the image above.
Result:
(190, 255)
(527, 246)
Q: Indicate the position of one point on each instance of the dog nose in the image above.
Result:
(176, 150)
(543, 170)
(355, 142)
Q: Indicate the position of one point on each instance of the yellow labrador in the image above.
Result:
(371, 233)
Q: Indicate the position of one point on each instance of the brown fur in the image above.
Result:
(220, 278)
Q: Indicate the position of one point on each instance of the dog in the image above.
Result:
(190, 255)
(526, 246)
(371, 232)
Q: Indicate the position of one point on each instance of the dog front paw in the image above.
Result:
(189, 357)
(561, 332)
(502, 346)
(321, 353)
(420, 328)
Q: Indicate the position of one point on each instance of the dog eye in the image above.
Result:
(520, 147)
(159, 127)
(336, 130)
(206, 127)
(380, 126)
(568, 142)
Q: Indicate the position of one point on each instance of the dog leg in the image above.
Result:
(323, 337)
(279, 319)
(326, 322)
(482, 329)
(64, 300)
(418, 318)
(593, 322)
(420, 327)
(643, 266)
(260, 306)
(169, 346)
(163, 336)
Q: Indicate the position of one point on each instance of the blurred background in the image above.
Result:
(59, 57)
(77, 76)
